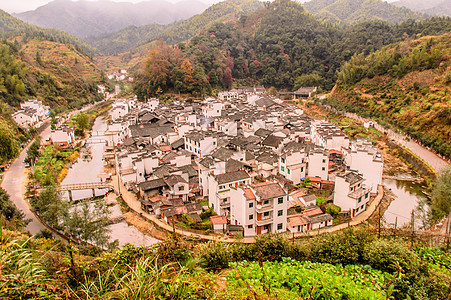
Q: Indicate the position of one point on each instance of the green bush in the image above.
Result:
(346, 247)
(391, 256)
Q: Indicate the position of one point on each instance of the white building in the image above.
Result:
(219, 195)
(367, 160)
(259, 208)
(293, 165)
(212, 109)
(63, 136)
(350, 193)
(318, 164)
(25, 118)
(227, 96)
(328, 136)
(200, 143)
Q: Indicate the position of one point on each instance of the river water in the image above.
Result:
(86, 170)
(409, 195)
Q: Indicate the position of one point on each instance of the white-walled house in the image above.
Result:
(25, 118)
(40, 110)
(259, 208)
(120, 109)
(318, 164)
(200, 143)
(228, 127)
(293, 165)
(63, 136)
(153, 103)
(367, 160)
(227, 96)
(350, 193)
(219, 195)
(212, 109)
(328, 136)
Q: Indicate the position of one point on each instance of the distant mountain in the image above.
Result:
(12, 27)
(84, 18)
(357, 11)
(131, 37)
(430, 7)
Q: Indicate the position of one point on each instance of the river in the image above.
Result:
(409, 195)
(87, 169)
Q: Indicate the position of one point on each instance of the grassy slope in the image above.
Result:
(418, 103)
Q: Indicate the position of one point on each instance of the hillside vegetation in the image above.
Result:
(357, 11)
(56, 73)
(281, 45)
(11, 27)
(406, 85)
(131, 37)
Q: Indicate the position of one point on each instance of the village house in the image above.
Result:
(350, 194)
(328, 136)
(63, 136)
(259, 208)
(219, 189)
(367, 160)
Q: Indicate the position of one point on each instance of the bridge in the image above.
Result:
(82, 186)
(85, 186)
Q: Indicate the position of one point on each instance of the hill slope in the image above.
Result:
(54, 72)
(357, 11)
(405, 85)
(84, 18)
(11, 27)
(131, 37)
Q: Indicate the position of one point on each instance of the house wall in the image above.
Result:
(364, 163)
(240, 211)
(318, 165)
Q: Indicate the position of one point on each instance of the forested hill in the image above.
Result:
(11, 27)
(133, 36)
(406, 85)
(357, 11)
(281, 45)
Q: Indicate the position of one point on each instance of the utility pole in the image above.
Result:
(413, 228)
(379, 223)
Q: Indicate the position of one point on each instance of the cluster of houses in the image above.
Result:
(247, 154)
(30, 113)
(121, 75)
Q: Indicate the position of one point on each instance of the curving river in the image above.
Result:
(87, 169)
(409, 195)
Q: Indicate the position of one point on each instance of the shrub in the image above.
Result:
(390, 255)
(346, 247)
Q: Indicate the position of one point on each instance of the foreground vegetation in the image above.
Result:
(353, 264)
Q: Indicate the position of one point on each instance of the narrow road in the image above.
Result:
(14, 181)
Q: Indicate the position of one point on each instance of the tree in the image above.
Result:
(88, 222)
(33, 151)
(50, 206)
(8, 142)
(441, 196)
(83, 121)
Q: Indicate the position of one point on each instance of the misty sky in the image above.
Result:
(16, 6)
